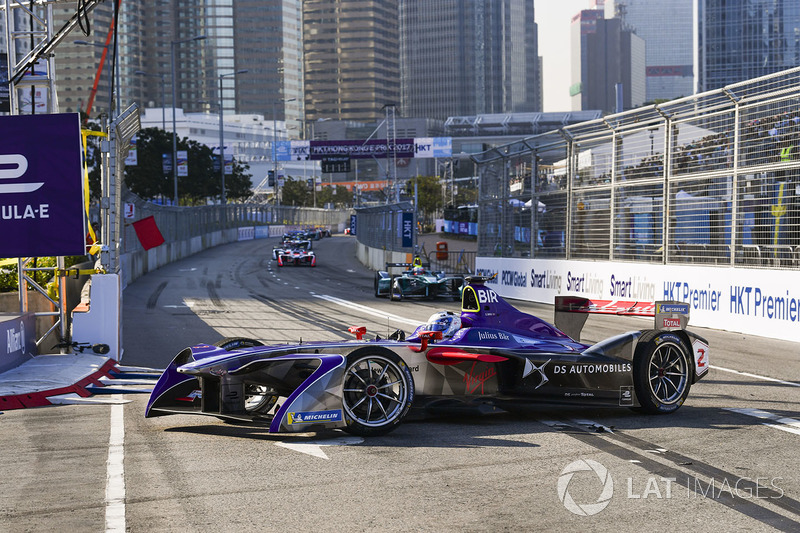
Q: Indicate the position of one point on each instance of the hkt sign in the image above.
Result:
(41, 187)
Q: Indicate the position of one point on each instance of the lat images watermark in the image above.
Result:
(582, 480)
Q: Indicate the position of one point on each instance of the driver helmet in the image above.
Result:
(418, 270)
(445, 321)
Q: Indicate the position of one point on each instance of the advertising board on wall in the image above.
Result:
(41, 186)
(759, 302)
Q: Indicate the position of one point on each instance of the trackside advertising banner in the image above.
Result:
(421, 147)
(759, 302)
(41, 193)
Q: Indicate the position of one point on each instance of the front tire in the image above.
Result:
(377, 393)
(662, 373)
(234, 343)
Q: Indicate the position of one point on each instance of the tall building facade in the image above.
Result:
(209, 39)
(468, 57)
(606, 58)
(351, 59)
(743, 39)
(667, 30)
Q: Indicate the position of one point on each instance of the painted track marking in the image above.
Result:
(115, 474)
(790, 425)
(756, 376)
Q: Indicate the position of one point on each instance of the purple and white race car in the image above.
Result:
(490, 353)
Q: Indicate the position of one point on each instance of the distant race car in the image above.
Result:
(417, 281)
(490, 353)
(290, 243)
(297, 256)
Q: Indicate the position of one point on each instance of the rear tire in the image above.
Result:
(377, 392)
(662, 373)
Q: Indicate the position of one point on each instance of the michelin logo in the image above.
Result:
(314, 417)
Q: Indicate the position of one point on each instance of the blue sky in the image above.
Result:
(553, 19)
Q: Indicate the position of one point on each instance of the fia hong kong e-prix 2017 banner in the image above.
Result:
(41, 193)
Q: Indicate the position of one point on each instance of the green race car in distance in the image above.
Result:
(416, 282)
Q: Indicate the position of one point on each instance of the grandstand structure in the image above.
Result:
(711, 179)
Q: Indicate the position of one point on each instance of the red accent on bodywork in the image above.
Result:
(446, 355)
(424, 337)
(359, 331)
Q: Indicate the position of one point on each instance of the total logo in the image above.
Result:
(13, 166)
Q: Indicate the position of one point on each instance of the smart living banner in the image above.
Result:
(755, 301)
(41, 193)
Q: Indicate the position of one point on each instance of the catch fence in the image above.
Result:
(183, 223)
(711, 179)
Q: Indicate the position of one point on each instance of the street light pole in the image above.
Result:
(274, 150)
(174, 138)
(223, 197)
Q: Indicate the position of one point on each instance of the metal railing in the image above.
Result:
(711, 179)
(181, 223)
(461, 262)
(381, 227)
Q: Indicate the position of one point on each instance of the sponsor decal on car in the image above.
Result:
(673, 308)
(530, 368)
(474, 381)
(700, 356)
(671, 323)
(626, 396)
(604, 368)
(195, 394)
(314, 417)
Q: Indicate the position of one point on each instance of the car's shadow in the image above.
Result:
(497, 428)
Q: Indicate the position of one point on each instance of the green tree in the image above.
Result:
(148, 179)
(295, 193)
(429, 196)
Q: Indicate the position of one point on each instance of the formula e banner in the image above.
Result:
(41, 190)
(759, 302)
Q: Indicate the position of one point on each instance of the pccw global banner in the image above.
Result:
(41, 193)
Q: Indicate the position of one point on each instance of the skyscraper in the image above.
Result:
(261, 36)
(468, 57)
(351, 58)
(744, 39)
(667, 30)
(606, 56)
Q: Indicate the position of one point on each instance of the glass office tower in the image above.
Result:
(744, 39)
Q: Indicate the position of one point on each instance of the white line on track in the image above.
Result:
(367, 310)
(115, 475)
(749, 375)
(790, 425)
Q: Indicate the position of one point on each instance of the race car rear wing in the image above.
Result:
(408, 266)
(571, 313)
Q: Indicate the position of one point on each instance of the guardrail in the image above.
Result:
(462, 262)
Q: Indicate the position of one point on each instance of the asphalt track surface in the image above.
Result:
(727, 460)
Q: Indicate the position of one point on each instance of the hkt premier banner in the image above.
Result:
(41, 193)
(759, 302)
